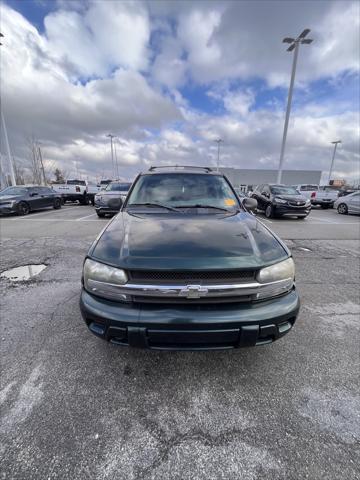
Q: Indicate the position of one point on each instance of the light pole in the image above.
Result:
(218, 141)
(333, 158)
(111, 136)
(295, 43)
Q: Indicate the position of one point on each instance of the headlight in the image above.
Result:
(103, 280)
(307, 203)
(280, 271)
(280, 200)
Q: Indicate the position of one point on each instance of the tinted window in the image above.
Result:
(182, 189)
(14, 191)
(309, 188)
(46, 190)
(76, 182)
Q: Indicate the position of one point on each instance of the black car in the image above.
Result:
(109, 200)
(185, 265)
(24, 199)
(278, 200)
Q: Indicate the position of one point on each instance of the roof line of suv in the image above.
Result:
(181, 167)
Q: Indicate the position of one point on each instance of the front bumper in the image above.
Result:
(7, 209)
(190, 327)
(290, 210)
(105, 209)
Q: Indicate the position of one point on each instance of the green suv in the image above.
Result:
(185, 265)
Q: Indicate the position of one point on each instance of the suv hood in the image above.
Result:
(187, 242)
(298, 198)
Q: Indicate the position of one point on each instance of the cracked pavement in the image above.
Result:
(75, 407)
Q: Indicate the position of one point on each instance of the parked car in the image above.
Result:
(323, 196)
(104, 183)
(348, 204)
(111, 199)
(347, 191)
(82, 191)
(185, 266)
(278, 200)
(24, 199)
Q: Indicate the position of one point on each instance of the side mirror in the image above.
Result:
(34, 194)
(250, 204)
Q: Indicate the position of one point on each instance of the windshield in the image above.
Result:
(184, 190)
(279, 190)
(13, 191)
(118, 187)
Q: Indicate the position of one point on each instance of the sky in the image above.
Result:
(169, 78)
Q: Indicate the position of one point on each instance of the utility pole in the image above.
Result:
(116, 162)
(42, 165)
(8, 153)
(333, 159)
(218, 141)
(295, 43)
(111, 136)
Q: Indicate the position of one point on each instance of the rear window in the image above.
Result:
(76, 182)
(309, 188)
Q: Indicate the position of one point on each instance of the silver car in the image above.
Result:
(348, 204)
(111, 198)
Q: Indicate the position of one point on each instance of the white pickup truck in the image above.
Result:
(77, 190)
(323, 196)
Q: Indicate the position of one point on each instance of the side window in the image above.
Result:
(45, 190)
(33, 190)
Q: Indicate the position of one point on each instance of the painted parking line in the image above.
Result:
(36, 214)
(59, 220)
(87, 216)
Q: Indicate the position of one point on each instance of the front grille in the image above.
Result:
(297, 204)
(207, 276)
(191, 301)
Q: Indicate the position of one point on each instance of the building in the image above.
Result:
(246, 179)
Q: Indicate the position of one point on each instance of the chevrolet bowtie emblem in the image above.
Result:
(193, 291)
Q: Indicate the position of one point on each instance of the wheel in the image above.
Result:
(84, 200)
(23, 208)
(57, 203)
(342, 208)
(92, 201)
(269, 211)
(100, 214)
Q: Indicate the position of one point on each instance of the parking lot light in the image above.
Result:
(333, 159)
(294, 45)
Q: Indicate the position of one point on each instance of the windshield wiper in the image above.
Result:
(199, 205)
(150, 204)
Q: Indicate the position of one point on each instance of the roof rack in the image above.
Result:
(207, 169)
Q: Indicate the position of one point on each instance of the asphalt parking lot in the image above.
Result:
(75, 407)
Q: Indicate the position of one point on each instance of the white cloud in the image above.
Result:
(107, 35)
(114, 67)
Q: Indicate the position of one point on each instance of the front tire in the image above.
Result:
(23, 208)
(57, 203)
(269, 211)
(342, 209)
(100, 214)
